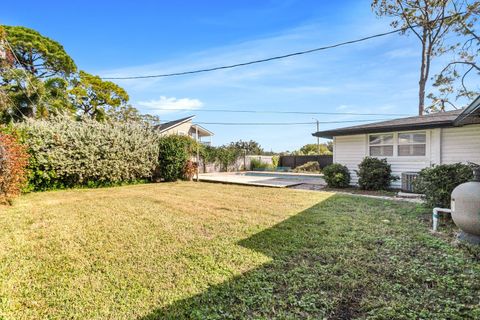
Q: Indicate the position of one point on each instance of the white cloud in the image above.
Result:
(170, 104)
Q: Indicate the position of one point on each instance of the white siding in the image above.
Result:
(443, 146)
(350, 151)
(461, 144)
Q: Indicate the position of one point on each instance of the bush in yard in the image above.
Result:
(438, 182)
(258, 164)
(66, 153)
(13, 163)
(336, 175)
(311, 166)
(275, 161)
(174, 152)
(190, 170)
(374, 174)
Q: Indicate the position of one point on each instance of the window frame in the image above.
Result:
(369, 145)
(411, 143)
(396, 144)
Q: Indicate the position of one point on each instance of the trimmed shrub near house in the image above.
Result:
(13, 164)
(336, 175)
(67, 153)
(311, 166)
(438, 182)
(374, 174)
(174, 152)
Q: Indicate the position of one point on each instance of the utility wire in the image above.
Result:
(282, 123)
(298, 53)
(164, 75)
(282, 112)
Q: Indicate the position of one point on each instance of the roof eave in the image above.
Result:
(329, 134)
(473, 108)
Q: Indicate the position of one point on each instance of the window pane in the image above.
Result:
(411, 150)
(381, 139)
(381, 151)
(419, 137)
(405, 138)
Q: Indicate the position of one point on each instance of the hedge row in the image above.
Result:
(68, 153)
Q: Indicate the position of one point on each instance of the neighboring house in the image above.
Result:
(410, 144)
(185, 127)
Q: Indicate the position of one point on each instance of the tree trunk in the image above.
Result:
(423, 75)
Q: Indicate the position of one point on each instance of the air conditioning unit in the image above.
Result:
(407, 181)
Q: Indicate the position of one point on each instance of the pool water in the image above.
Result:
(292, 176)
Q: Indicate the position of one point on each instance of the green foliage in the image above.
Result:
(41, 56)
(312, 149)
(247, 147)
(92, 96)
(227, 155)
(374, 174)
(259, 164)
(438, 182)
(336, 175)
(275, 161)
(311, 166)
(174, 152)
(67, 153)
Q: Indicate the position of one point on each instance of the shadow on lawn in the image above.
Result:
(305, 279)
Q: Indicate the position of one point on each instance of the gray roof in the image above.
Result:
(469, 115)
(172, 124)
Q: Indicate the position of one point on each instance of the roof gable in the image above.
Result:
(172, 124)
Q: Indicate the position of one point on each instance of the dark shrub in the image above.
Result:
(336, 175)
(311, 166)
(374, 174)
(174, 152)
(438, 182)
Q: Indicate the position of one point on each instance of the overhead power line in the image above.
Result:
(298, 53)
(282, 112)
(283, 123)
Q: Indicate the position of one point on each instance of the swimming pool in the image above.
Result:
(280, 175)
(264, 179)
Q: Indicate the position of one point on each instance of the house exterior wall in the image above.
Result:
(350, 151)
(443, 146)
(461, 144)
(181, 129)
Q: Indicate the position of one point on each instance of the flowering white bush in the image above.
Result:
(66, 153)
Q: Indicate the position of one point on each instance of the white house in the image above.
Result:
(185, 127)
(410, 144)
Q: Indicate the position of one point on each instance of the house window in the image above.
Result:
(381, 145)
(412, 144)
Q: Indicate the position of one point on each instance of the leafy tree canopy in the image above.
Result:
(250, 147)
(312, 148)
(39, 55)
(92, 96)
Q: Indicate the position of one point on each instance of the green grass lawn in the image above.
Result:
(212, 251)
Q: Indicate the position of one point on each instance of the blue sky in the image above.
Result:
(121, 38)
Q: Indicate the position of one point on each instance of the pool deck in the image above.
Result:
(263, 181)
